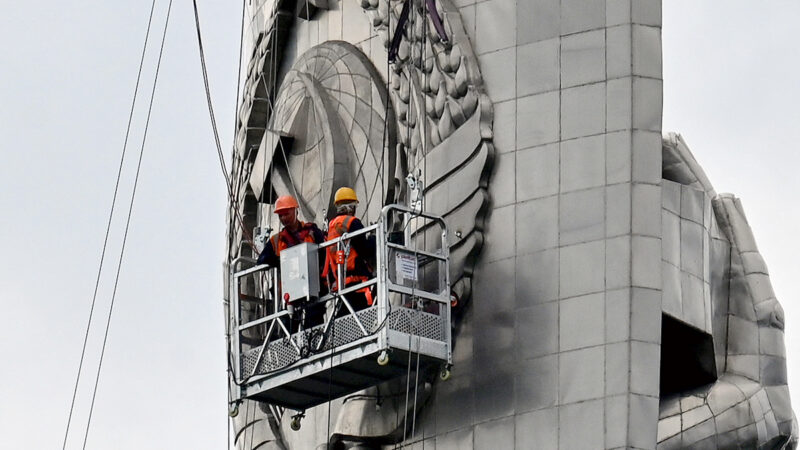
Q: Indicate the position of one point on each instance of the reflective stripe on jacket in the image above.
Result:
(336, 228)
(285, 239)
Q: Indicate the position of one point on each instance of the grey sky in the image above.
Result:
(67, 71)
(730, 88)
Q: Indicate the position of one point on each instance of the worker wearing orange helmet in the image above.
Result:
(361, 252)
(294, 232)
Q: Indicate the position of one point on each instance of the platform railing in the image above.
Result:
(420, 280)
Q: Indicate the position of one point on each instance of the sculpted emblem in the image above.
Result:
(334, 121)
(318, 113)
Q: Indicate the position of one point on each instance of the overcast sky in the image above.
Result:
(67, 71)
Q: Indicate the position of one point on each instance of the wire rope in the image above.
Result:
(229, 421)
(416, 385)
(127, 223)
(424, 128)
(108, 225)
(408, 389)
(231, 198)
(253, 427)
(330, 379)
(263, 279)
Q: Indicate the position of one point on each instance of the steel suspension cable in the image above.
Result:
(229, 422)
(127, 224)
(231, 199)
(108, 225)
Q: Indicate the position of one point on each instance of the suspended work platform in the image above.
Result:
(301, 351)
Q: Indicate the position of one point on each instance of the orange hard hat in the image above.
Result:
(284, 203)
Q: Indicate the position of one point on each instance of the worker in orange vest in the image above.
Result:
(294, 232)
(356, 261)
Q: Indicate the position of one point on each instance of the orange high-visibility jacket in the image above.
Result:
(308, 232)
(355, 266)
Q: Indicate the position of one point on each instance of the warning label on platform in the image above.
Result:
(406, 266)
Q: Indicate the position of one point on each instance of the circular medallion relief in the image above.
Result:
(332, 126)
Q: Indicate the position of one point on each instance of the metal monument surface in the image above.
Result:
(608, 297)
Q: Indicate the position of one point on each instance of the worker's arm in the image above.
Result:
(363, 245)
(268, 255)
(319, 236)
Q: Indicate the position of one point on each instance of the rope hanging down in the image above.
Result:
(108, 224)
(227, 322)
(127, 223)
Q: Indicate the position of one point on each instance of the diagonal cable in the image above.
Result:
(127, 224)
(108, 225)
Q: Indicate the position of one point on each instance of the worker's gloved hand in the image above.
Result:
(260, 240)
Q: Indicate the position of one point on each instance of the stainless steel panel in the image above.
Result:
(646, 58)
(581, 214)
(618, 209)
(646, 262)
(494, 376)
(456, 440)
(671, 295)
(618, 262)
(537, 429)
(498, 69)
(647, 105)
(581, 322)
(583, 110)
(588, 417)
(646, 315)
(671, 237)
(580, 269)
(536, 278)
(645, 368)
(538, 20)
(537, 172)
(500, 226)
(692, 256)
(455, 407)
(692, 202)
(577, 15)
(646, 204)
(579, 160)
(616, 419)
(537, 67)
(495, 434)
(617, 368)
(537, 330)
(643, 421)
(618, 106)
(536, 384)
(581, 375)
(493, 37)
(583, 58)
(537, 119)
(618, 315)
(537, 225)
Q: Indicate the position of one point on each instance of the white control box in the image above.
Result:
(300, 273)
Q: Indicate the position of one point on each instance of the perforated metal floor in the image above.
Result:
(297, 384)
